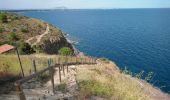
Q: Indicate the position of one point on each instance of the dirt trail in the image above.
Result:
(71, 84)
(45, 93)
(38, 37)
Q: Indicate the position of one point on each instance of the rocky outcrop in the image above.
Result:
(39, 34)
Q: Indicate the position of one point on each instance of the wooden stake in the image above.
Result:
(59, 69)
(52, 79)
(63, 70)
(66, 63)
(20, 62)
(34, 66)
(51, 72)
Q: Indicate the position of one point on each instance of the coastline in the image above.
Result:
(76, 51)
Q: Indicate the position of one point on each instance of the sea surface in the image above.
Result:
(136, 38)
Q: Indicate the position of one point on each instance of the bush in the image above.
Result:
(105, 60)
(24, 30)
(92, 87)
(15, 17)
(38, 48)
(1, 30)
(65, 51)
(25, 48)
(13, 36)
(8, 42)
(3, 18)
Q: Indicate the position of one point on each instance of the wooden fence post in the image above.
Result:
(63, 69)
(59, 69)
(34, 66)
(52, 79)
(66, 63)
(19, 91)
(20, 62)
(51, 72)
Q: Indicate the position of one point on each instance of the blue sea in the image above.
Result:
(136, 38)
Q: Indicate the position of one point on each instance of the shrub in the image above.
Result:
(149, 76)
(3, 18)
(38, 48)
(25, 48)
(65, 51)
(40, 26)
(105, 60)
(14, 36)
(1, 30)
(15, 17)
(92, 87)
(8, 42)
(24, 30)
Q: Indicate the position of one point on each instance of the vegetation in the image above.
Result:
(5, 67)
(25, 48)
(10, 64)
(141, 75)
(3, 18)
(37, 49)
(105, 60)
(107, 82)
(1, 29)
(14, 36)
(14, 33)
(24, 30)
(93, 87)
(65, 51)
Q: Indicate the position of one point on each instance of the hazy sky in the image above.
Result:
(82, 4)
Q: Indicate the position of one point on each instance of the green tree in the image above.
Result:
(14, 36)
(1, 30)
(65, 51)
(3, 18)
(25, 48)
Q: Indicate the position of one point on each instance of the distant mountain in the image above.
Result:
(62, 7)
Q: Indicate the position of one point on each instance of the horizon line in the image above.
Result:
(3, 9)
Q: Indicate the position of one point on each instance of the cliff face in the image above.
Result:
(38, 34)
(53, 41)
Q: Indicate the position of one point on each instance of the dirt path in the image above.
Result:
(38, 37)
(71, 84)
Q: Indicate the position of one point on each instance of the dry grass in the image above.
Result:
(10, 63)
(104, 80)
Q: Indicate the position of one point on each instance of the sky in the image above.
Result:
(83, 4)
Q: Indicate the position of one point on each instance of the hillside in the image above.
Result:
(101, 81)
(42, 37)
(104, 81)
